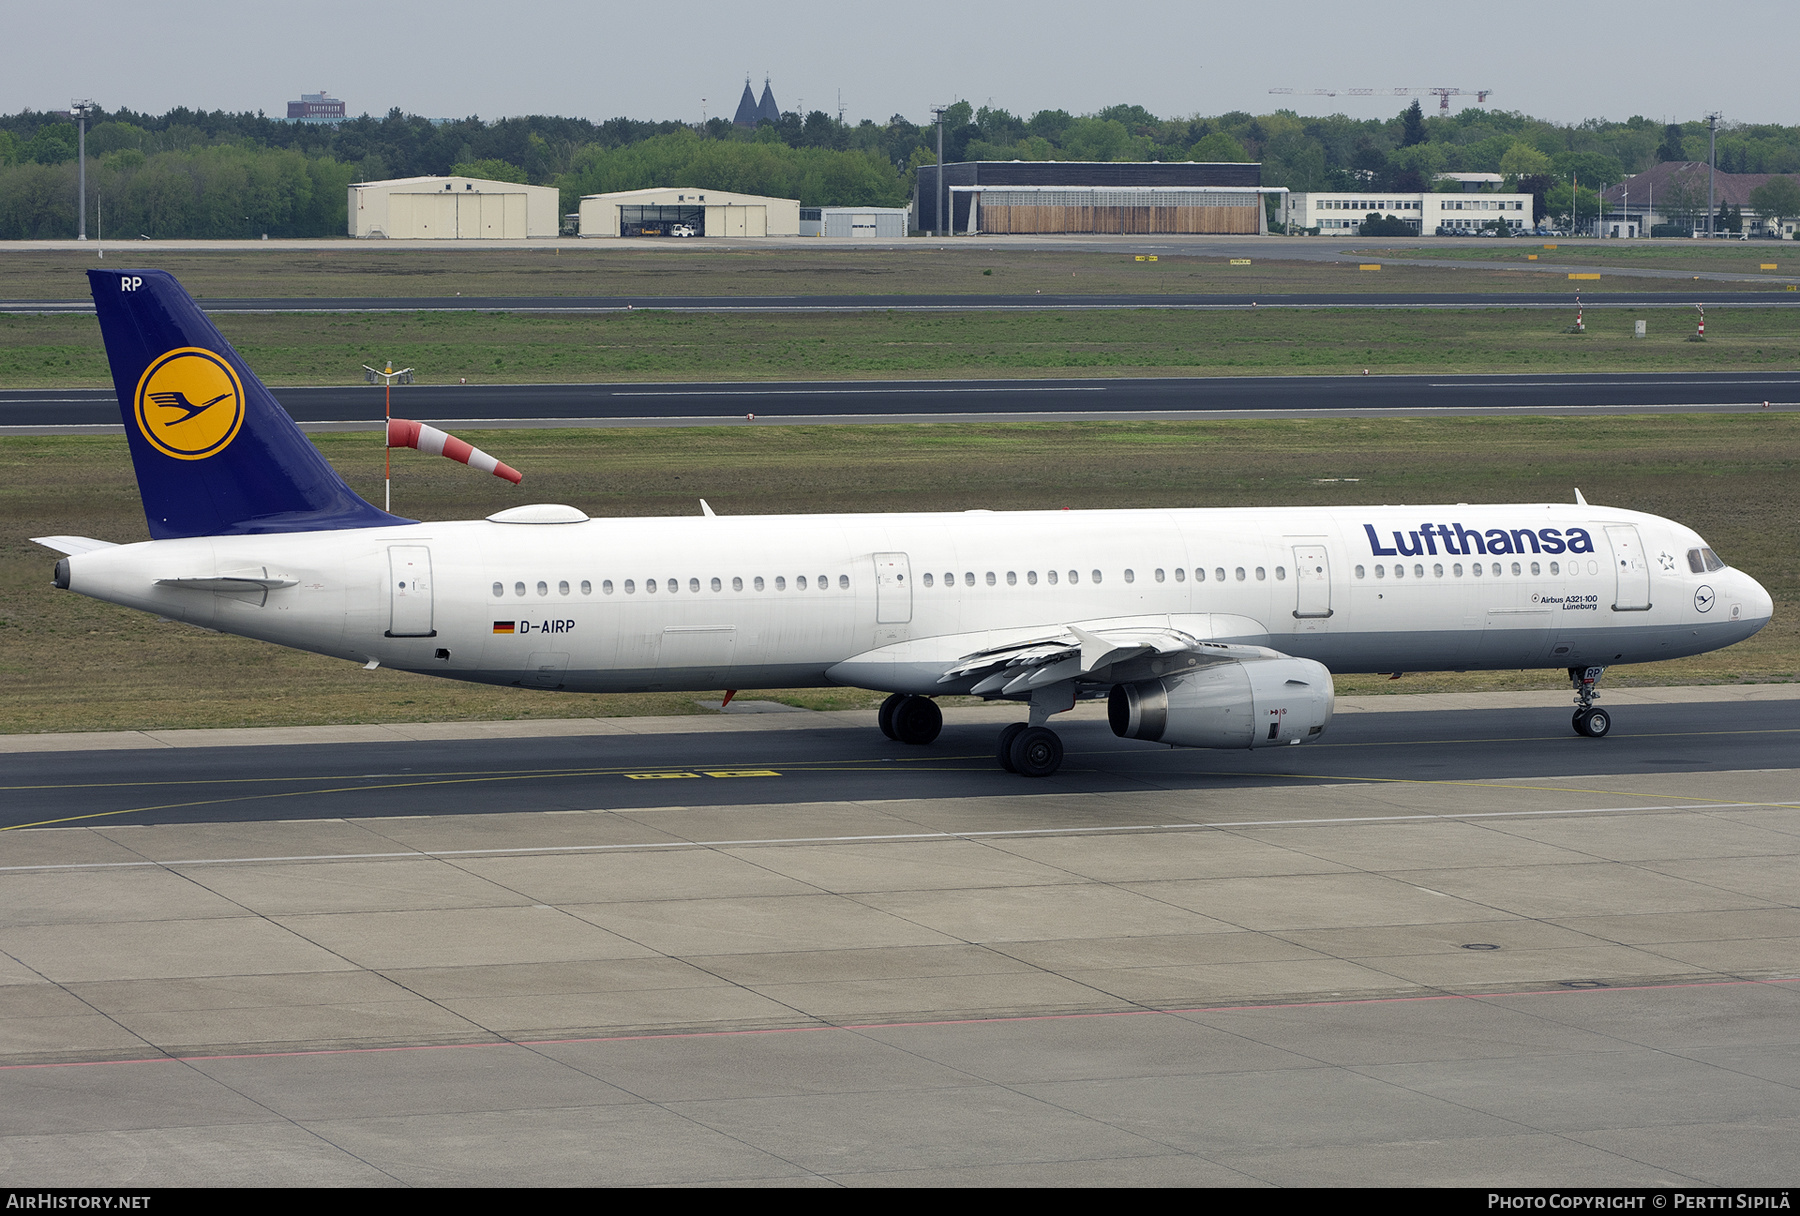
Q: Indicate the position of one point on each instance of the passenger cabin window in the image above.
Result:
(1129, 576)
(1240, 574)
(1359, 571)
(1031, 577)
(780, 583)
(630, 587)
(990, 578)
(928, 578)
(694, 585)
(562, 588)
(543, 588)
(499, 590)
(1052, 577)
(1180, 575)
(717, 585)
(1012, 578)
(1096, 576)
(843, 582)
(737, 584)
(518, 588)
(587, 588)
(758, 583)
(606, 586)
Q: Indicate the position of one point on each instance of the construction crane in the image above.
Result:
(1443, 95)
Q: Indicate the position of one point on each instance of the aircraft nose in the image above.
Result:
(1759, 605)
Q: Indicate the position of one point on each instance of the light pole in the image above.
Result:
(387, 378)
(937, 112)
(1712, 167)
(81, 111)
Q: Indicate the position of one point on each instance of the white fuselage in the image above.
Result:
(888, 601)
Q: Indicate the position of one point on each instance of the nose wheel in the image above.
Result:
(1592, 723)
(1589, 720)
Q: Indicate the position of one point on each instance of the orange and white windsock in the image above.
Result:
(404, 433)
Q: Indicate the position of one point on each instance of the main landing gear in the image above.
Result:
(909, 719)
(1590, 720)
(1030, 751)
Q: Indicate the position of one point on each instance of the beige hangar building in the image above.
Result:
(453, 208)
(681, 211)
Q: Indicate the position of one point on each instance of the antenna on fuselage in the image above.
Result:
(1579, 500)
(707, 511)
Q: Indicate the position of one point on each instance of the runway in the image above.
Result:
(829, 763)
(1456, 946)
(75, 411)
(1563, 297)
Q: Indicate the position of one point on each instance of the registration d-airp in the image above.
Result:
(1201, 628)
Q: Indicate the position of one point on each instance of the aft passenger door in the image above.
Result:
(409, 592)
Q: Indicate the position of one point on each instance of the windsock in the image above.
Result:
(404, 433)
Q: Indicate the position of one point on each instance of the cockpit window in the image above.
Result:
(1703, 560)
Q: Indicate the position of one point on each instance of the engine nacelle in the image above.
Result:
(1259, 703)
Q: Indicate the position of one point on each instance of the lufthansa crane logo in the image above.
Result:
(190, 404)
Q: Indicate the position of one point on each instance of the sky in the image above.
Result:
(456, 58)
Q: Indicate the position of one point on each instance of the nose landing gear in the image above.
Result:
(1589, 720)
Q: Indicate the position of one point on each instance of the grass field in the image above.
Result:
(1672, 256)
(512, 348)
(676, 268)
(70, 663)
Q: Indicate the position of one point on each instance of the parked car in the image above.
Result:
(683, 230)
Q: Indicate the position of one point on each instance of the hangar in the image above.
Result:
(856, 223)
(1134, 197)
(452, 208)
(687, 211)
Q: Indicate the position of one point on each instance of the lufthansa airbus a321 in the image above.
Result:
(1202, 628)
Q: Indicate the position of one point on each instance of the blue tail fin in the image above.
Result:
(215, 454)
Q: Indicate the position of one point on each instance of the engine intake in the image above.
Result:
(1236, 704)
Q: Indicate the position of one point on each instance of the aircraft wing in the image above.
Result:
(1015, 662)
(1098, 655)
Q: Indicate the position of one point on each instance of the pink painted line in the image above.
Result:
(1042, 1017)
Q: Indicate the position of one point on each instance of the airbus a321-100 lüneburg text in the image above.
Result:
(1202, 628)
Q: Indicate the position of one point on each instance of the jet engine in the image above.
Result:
(1258, 703)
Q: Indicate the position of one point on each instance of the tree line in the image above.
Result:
(213, 174)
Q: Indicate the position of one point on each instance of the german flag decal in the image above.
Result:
(504, 627)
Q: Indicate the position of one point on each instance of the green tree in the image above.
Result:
(1775, 200)
(52, 145)
(490, 169)
(1523, 160)
(1412, 121)
(1219, 147)
(1670, 148)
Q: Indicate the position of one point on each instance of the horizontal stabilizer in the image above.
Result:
(72, 544)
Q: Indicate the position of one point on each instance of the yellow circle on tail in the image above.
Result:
(190, 403)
